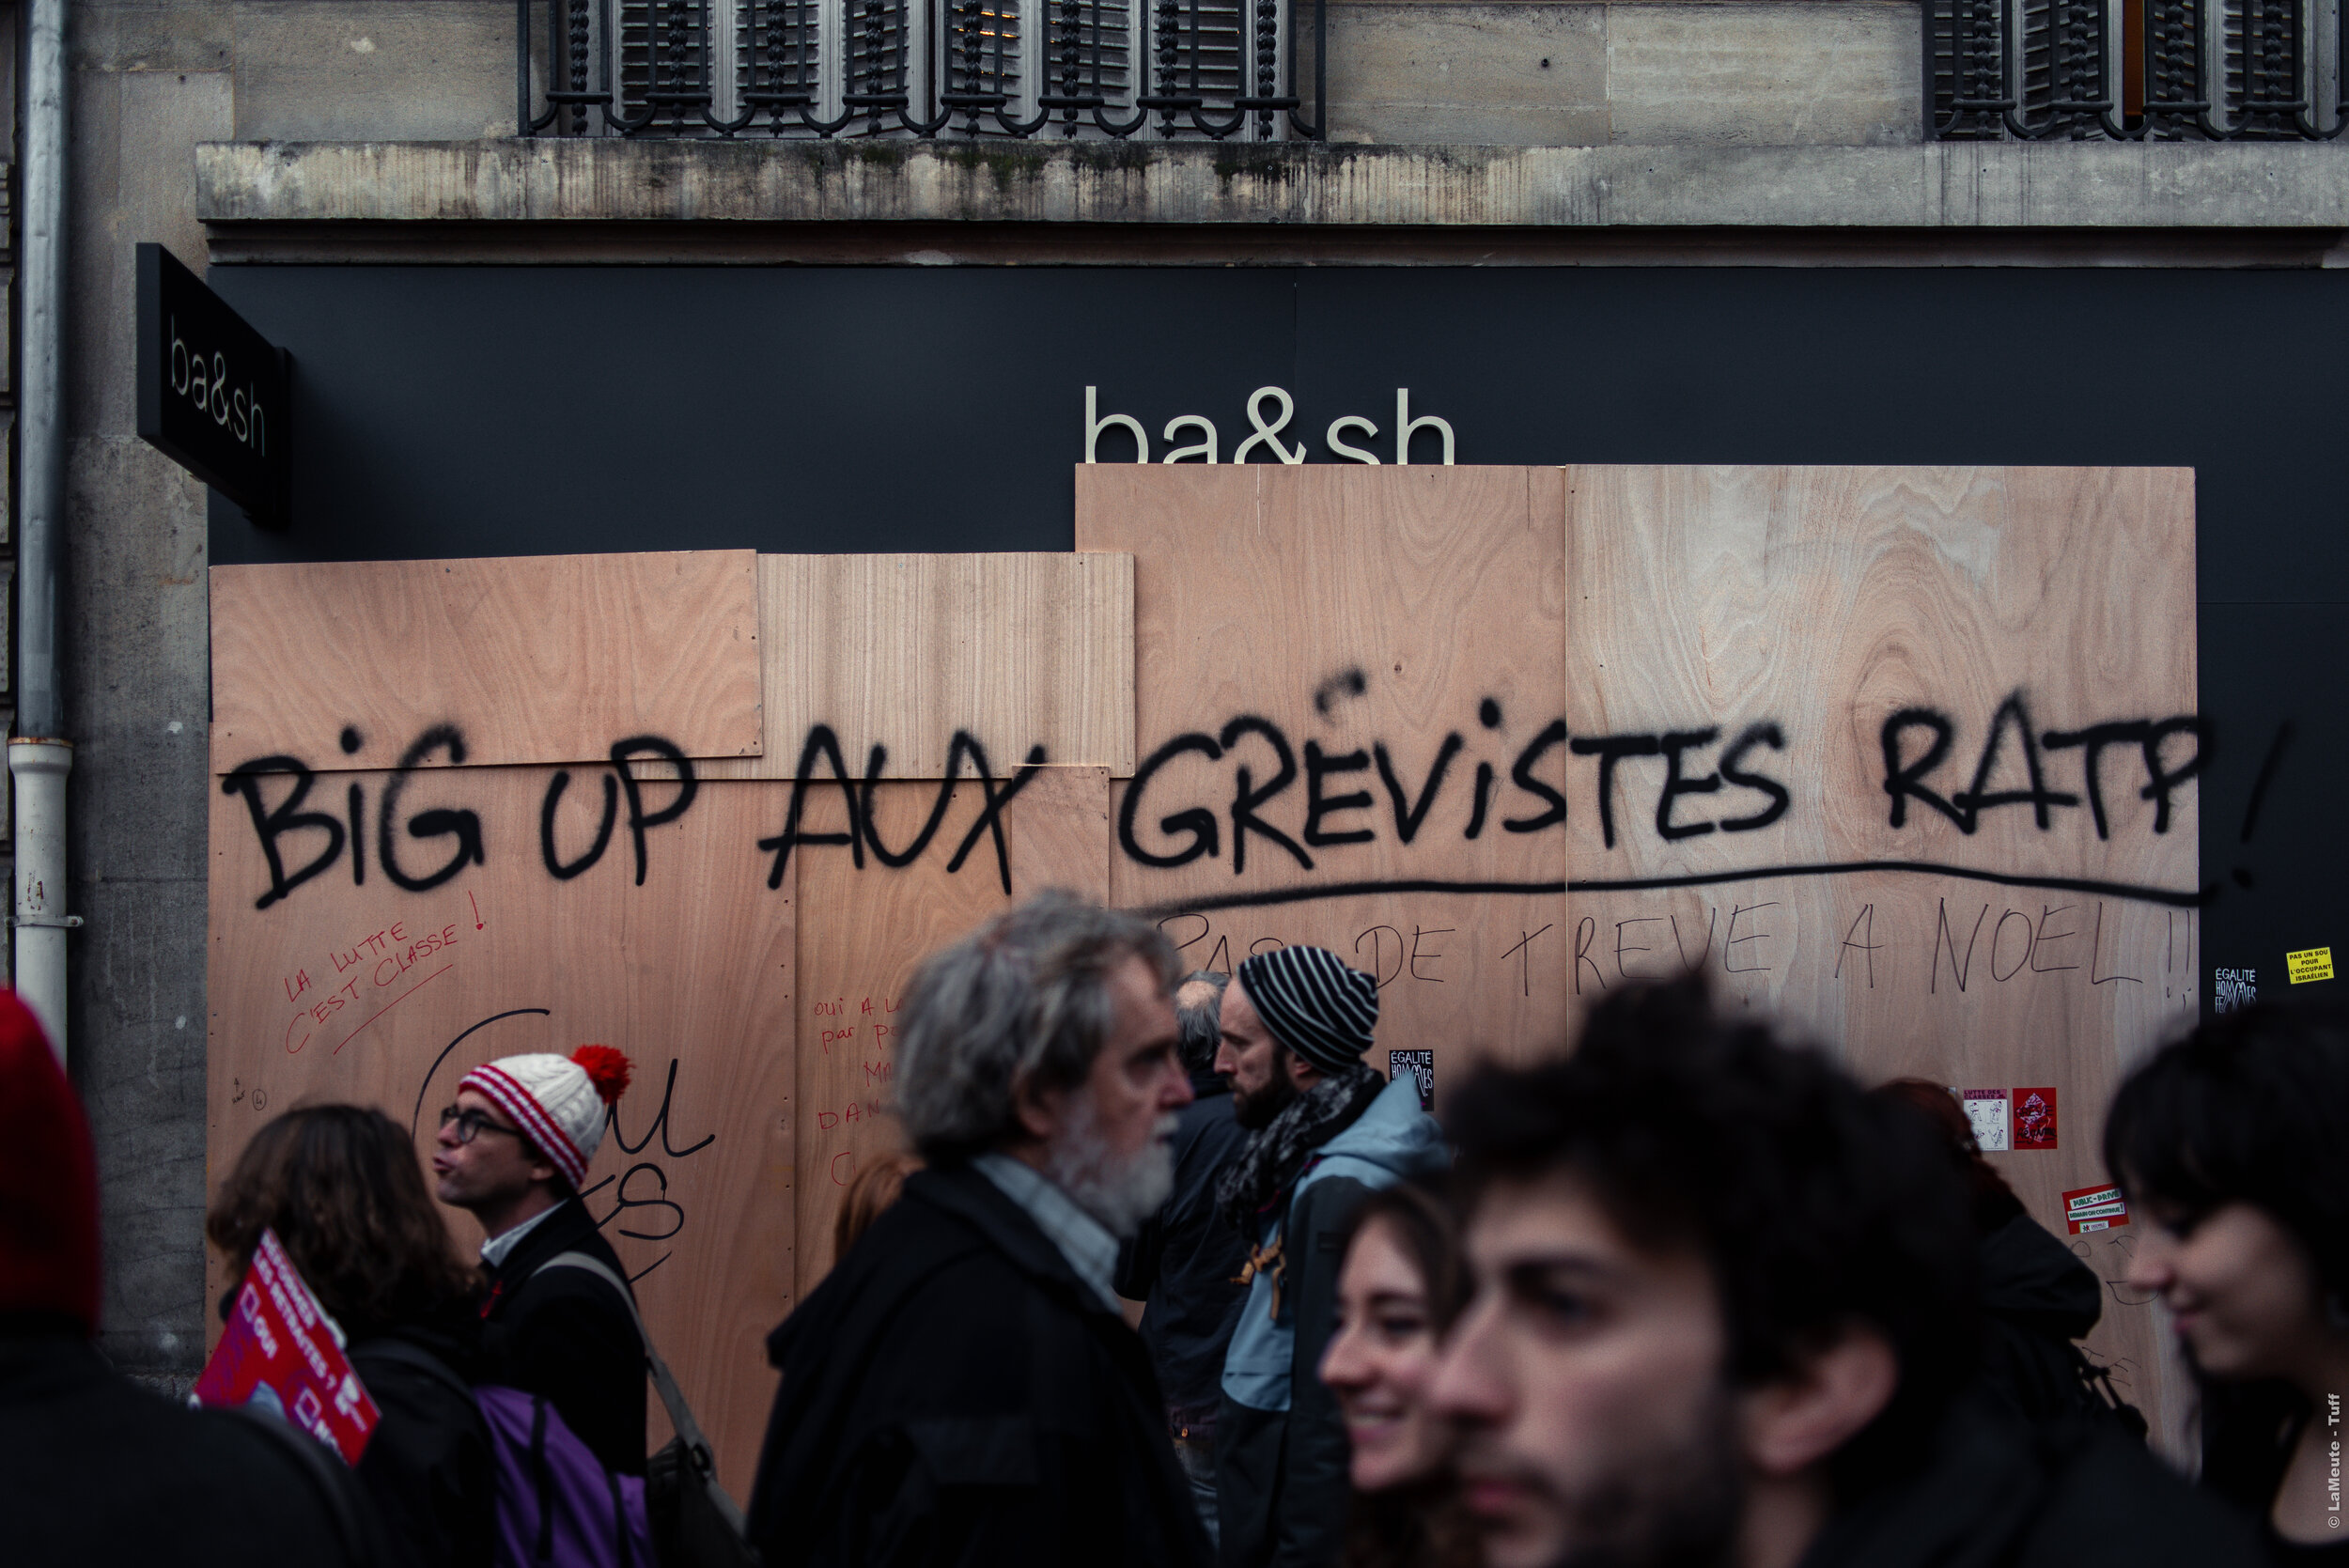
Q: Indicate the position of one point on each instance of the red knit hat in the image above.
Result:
(48, 1179)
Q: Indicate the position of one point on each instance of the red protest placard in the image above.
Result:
(2034, 1118)
(2095, 1208)
(278, 1339)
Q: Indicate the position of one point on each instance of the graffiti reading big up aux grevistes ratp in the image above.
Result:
(1246, 790)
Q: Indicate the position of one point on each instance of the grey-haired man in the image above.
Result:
(963, 1388)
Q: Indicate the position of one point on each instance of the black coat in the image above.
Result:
(96, 1472)
(1282, 1489)
(428, 1467)
(952, 1393)
(1997, 1494)
(565, 1334)
(2250, 1434)
(2036, 1298)
(1186, 1260)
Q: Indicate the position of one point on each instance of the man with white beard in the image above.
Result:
(962, 1388)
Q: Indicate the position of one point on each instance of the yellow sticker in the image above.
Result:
(2316, 963)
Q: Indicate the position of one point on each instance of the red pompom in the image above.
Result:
(606, 1068)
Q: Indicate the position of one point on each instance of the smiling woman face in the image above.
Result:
(2241, 1289)
(1379, 1361)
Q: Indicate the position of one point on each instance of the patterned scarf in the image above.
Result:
(1277, 1156)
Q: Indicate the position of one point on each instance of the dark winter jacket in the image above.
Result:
(1997, 1494)
(1186, 1260)
(96, 1472)
(953, 1394)
(1281, 1449)
(2036, 1298)
(2250, 1434)
(566, 1334)
(428, 1466)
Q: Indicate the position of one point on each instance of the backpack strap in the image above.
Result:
(664, 1381)
(2096, 1382)
(542, 1475)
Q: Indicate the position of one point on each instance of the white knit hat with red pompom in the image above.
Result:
(557, 1101)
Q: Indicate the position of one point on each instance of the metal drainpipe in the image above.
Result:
(41, 760)
(40, 768)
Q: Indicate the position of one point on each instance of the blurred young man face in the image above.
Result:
(1587, 1382)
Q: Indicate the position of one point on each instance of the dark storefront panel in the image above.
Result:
(490, 411)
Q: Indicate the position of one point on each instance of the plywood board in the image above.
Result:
(354, 664)
(2021, 943)
(904, 652)
(351, 987)
(1363, 707)
(1343, 676)
(867, 929)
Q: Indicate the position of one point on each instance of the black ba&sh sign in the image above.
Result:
(213, 391)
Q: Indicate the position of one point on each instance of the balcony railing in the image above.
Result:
(2136, 69)
(1224, 69)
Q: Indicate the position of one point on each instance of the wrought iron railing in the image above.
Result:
(1225, 70)
(2136, 69)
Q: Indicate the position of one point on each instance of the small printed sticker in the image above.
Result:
(2034, 1118)
(1986, 1110)
(1420, 1064)
(2233, 989)
(2095, 1208)
(2315, 963)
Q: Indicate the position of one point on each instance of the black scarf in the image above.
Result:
(1275, 1157)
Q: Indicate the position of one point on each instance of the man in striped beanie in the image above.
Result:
(514, 1152)
(1328, 1130)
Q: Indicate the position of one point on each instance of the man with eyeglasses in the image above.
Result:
(513, 1152)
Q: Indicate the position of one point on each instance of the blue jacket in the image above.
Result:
(1280, 1451)
(1391, 1141)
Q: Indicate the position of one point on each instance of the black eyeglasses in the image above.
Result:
(471, 1125)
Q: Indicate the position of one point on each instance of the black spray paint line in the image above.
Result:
(2170, 897)
(2266, 776)
(426, 1087)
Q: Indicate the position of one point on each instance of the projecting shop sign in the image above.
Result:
(213, 391)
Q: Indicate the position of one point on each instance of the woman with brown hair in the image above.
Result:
(2233, 1146)
(341, 1187)
(1399, 1289)
(871, 1191)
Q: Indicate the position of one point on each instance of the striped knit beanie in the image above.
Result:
(557, 1101)
(1314, 1004)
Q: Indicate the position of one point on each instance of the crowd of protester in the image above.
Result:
(1170, 1273)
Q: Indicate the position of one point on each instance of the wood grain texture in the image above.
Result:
(368, 993)
(1363, 707)
(1825, 601)
(534, 658)
(1369, 625)
(902, 651)
(868, 929)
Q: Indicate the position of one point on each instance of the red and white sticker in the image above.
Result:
(2095, 1208)
(2034, 1118)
